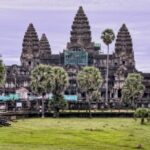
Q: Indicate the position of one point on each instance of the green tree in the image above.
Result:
(132, 88)
(60, 83)
(108, 37)
(2, 73)
(142, 113)
(42, 81)
(58, 103)
(95, 96)
(148, 117)
(89, 80)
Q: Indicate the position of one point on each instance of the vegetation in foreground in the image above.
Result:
(47, 79)
(142, 113)
(89, 81)
(75, 134)
(108, 37)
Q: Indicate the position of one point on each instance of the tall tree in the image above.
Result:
(2, 75)
(132, 88)
(42, 81)
(89, 80)
(108, 37)
(60, 83)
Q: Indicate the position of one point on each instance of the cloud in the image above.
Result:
(143, 68)
(9, 60)
(8, 39)
(100, 5)
(46, 16)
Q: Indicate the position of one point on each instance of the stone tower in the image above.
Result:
(44, 50)
(124, 60)
(81, 33)
(30, 48)
(124, 49)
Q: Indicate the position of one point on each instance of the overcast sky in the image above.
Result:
(55, 17)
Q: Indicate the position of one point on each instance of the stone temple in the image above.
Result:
(80, 51)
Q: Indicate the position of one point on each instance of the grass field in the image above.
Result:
(75, 134)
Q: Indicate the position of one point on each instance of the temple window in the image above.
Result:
(123, 62)
(119, 93)
(29, 63)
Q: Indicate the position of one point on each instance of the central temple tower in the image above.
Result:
(81, 34)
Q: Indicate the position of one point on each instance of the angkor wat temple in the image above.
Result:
(80, 51)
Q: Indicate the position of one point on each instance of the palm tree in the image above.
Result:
(89, 80)
(42, 82)
(133, 88)
(60, 83)
(108, 37)
(2, 73)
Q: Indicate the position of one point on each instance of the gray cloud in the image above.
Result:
(54, 17)
(100, 5)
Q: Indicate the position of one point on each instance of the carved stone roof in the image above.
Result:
(123, 41)
(81, 33)
(30, 46)
(44, 48)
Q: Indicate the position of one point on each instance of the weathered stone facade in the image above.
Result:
(30, 48)
(81, 33)
(35, 52)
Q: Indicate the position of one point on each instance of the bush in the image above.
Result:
(57, 103)
(142, 113)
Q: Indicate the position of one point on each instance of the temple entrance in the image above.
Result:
(119, 93)
(29, 63)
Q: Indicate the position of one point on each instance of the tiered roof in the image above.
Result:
(80, 33)
(44, 48)
(123, 41)
(30, 42)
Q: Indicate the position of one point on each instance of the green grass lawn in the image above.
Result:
(75, 134)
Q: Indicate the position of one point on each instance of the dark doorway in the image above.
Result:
(119, 93)
(29, 63)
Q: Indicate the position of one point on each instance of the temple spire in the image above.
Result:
(81, 33)
(44, 48)
(30, 47)
(30, 40)
(124, 47)
(124, 40)
(80, 10)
